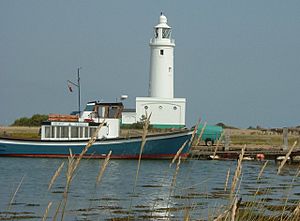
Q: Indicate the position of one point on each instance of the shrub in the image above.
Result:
(35, 120)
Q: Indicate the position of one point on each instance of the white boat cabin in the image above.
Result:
(73, 127)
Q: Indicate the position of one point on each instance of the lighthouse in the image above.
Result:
(166, 111)
(161, 82)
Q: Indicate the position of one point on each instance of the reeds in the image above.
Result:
(249, 211)
(237, 172)
(226, 180)
(145, 132)
(262, 170)
(286, 158)
(56, 174)
(72, 166)
(175, 174)
(231, 212)
(103, 168)
(296, 211)
(46, 211)
(201, 133)
(218, 143)
(15, 193)
(173, 184)
(289, 191)
(178, 153)
(195, 131)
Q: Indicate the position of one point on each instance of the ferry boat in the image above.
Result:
(63, 134)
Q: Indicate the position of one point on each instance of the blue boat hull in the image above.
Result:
(156, 147)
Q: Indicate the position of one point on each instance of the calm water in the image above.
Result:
(199, 185)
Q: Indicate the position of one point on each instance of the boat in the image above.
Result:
(65, 134)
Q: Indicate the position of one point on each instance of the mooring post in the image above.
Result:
(285, 139)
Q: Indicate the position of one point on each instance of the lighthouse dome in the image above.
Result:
(162, 22)
(163, 19)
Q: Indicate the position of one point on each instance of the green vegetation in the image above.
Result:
(34, 121)
(261, 139)
(20, 132)
(138, 125)
(225, 126)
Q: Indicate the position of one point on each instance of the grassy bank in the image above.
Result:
(237, 137)
(259, 138)
(20, 132)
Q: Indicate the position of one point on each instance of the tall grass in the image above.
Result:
(201, 133)
(218, 144)
(194, 131)
(262, 170)
(72, 166)
(145, 132)
(103, 168)
(286, 158)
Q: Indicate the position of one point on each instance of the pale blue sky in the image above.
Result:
(236, 62)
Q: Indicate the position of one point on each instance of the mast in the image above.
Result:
(78, 82)
(78, 86)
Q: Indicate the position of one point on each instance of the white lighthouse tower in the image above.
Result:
(166, 111)
(161, 82)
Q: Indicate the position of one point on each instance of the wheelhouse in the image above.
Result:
(71, 127)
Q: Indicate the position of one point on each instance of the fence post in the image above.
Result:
(285, 139)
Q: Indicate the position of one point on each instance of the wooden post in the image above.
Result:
(285, 139)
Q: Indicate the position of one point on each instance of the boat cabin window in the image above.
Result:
(47, 132)
(81, 132)
(89, 107)
(64, 132)
(53, 132)
(68, 132)
(113, 112)
(92, 131)
(86, 132)
(74, 132)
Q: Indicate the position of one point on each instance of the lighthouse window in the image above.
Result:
(166, 33)
(156, 33)
(161, 52)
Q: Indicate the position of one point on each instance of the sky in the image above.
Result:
(236, 62)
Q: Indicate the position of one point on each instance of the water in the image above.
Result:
(199, 186)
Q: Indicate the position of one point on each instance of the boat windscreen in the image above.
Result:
(89, 107)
